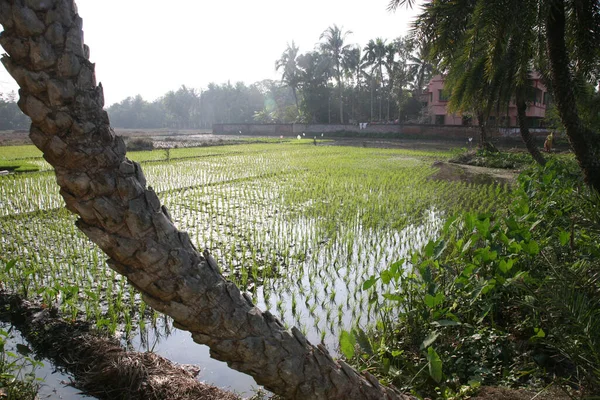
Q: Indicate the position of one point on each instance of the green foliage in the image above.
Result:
(17, 370)
(140, 144)
(18, 166)
(506, 298)
(483, 158)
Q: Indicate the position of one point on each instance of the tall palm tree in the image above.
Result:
(565, 34)
(333, 45)
(290, 73)
(420, 67)
(353, 68)
(124, 217)
(375, 56)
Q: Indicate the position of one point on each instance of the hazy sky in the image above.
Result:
(149, 47)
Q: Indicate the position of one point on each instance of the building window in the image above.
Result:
(547, 99)
(443, 95)
(533, 122)
(467, 121)
(430, 97)
(439, 119)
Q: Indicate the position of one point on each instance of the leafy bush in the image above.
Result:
(139, 144)
(504, 160)
(498, 299)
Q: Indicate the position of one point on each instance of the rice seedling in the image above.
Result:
(299, 227)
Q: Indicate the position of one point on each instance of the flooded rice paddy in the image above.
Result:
(300, 227)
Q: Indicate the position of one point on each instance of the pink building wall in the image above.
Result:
(437, 104)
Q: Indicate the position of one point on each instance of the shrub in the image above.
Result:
(139, 144)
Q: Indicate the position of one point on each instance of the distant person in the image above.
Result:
(549, 142)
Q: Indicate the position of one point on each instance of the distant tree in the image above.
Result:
(375, 57)
(420, 67)
(314, 74)
(333, 46)
(182, 106)
(290, 73)
(353, 68)
(11, 116)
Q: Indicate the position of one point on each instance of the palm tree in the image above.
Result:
(375, 56)
(333, 45)
(290, 75)
(546, 26)
(420, 68)
(353, 68)
(124, 217)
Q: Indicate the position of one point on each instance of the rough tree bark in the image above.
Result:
(484, 142)
(525, 134)
(584, 141)
(48, 59)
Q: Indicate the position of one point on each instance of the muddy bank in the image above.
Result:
(101, 367)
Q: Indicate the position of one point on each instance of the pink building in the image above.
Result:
(437, 100)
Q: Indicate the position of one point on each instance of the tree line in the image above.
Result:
(338, 82)
(11, 117)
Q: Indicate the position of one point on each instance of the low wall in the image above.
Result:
(457, 132)
(253, 129)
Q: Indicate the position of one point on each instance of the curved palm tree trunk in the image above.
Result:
(484, 143)
(48, 59)
(525, 134)
(584, 141)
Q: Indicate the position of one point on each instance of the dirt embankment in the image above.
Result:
(101, 367)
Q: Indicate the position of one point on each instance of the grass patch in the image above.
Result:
(19, 152)
(18, 166)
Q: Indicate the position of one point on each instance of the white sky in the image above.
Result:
(149, 47)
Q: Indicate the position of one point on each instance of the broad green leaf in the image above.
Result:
(433, 301)
(393, 297)
(397, 266)
(386, 276)
(564, 237)
(347, 343)
(369, 282)
(363, 341)
(429, 339)
(429, 248)
(445, 322)
(539, 333)
(23, 350)
(533, 248)
(435, 365)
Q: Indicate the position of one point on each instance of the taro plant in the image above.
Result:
(505, 298)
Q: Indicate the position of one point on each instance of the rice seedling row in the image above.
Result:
(299, 227)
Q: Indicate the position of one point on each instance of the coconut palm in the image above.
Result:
(420, 68)
(564, 34)
(353, 69)
(375, 57)
(288, 64)
(333, 46)
(124, 217)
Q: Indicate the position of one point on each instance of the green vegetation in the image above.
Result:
(18, 166)
(507, 298)
(298, 226)
(17, 370)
